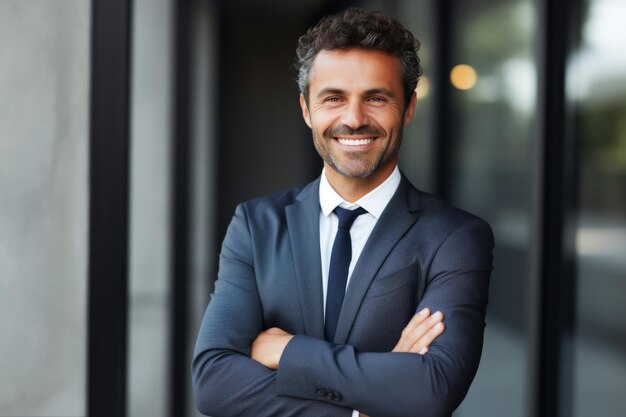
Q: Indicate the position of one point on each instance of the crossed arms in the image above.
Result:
(242, 369)
(419, 333)
(422, 329)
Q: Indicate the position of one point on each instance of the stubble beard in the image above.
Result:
(354, 164)
(357, 166)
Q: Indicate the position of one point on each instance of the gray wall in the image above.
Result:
(44, 79)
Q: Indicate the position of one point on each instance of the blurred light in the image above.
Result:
(423, 88)
(463, 77)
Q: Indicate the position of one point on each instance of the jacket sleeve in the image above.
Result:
(226, 381)
(405, 384)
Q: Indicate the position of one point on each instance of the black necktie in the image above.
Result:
(339, 266)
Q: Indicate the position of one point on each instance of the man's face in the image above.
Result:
(356, 111)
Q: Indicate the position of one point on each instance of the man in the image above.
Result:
(314, 309)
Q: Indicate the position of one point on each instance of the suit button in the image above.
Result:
(335, 396)
(321, 392)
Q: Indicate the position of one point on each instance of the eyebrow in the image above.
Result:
(383, 91)
(329, 91)
(372, 91)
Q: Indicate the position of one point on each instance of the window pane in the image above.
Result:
(597, 86)
(493, 79)
(148, 355)
(416, 155)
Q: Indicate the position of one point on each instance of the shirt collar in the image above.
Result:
(374, 202)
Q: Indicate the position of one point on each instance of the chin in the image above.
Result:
(361, 173)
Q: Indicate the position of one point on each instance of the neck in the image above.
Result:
(352, 189)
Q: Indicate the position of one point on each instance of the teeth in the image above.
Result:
(354, 142)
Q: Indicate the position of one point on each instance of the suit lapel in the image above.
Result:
(392, 225)
(303, 228)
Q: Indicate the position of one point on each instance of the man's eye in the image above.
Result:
(377, 99)
(332, 99)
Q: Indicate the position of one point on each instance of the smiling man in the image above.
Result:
(356, 294)
(356, 110)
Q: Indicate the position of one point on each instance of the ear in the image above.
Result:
(305, 110)
(410, 109)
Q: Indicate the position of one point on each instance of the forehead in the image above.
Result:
(348, 69)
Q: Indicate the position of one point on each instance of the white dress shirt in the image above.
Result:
(374, 202)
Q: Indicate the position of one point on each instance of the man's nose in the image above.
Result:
(354, 115)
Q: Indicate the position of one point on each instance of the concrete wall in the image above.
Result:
(44, 82)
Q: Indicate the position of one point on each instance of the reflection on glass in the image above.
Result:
(597, 87)
(493, 111)
(463, 76)
(423, 88)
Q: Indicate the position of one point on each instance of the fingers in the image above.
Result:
(416, 320)
(420, 332)
(421, 346)
(269, 345)
(410, 333)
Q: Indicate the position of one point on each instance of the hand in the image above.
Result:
(420, 332)
(269, 345)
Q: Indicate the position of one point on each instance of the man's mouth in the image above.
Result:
(355, 142)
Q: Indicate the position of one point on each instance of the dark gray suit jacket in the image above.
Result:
(421, 253)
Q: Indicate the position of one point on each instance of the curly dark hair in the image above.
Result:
(358, 28)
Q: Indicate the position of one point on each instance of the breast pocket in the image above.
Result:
(408, 276)
(387, 307)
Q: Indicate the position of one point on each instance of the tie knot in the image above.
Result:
(347, 217)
